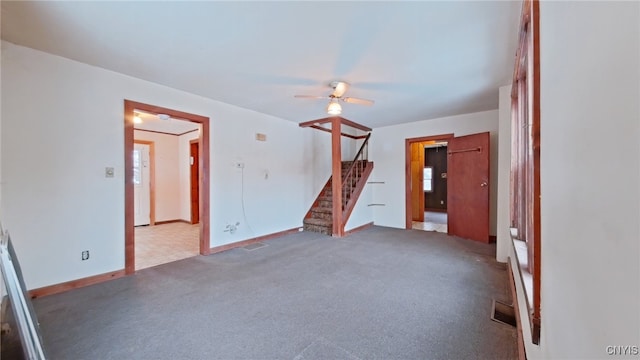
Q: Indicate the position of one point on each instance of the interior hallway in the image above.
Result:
(161, 244)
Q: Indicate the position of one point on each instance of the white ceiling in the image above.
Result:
(417, 60)
(152, 122)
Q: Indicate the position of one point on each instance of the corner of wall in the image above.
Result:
(504, 174)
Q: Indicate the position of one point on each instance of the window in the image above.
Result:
(137, 169)
(427, 176)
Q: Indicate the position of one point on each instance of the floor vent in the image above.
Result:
(503, 313)
(254, 246)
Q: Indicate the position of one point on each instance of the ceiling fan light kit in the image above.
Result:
(334, 108)
(339, 88)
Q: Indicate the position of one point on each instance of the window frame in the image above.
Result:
(525, 154)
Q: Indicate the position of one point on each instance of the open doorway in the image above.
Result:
(426, 202)
(434, 186)
(463, 203)
(166, 186)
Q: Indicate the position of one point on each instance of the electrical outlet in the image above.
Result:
(85, 255)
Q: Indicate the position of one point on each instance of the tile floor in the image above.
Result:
(433, 221)
(160, 244)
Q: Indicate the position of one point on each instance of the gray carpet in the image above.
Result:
(378, 294)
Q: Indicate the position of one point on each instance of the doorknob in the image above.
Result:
(483, 184)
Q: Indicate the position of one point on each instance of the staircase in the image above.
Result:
(320, 216)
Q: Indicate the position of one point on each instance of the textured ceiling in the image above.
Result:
(417, 60)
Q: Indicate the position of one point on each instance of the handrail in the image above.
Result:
(359, 166)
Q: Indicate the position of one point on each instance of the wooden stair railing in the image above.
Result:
(351, 187)
(355, 173)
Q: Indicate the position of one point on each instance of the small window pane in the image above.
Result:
(137, 171)
(427, 176)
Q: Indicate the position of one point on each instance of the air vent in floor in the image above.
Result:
(503, 313)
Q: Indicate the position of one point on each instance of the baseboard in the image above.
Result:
(74, 284)
(514, 296)
(359, 228)
(172, 221)
(243, 243)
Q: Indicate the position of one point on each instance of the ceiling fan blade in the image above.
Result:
(358, 101)
(339, 88)
(310, 97)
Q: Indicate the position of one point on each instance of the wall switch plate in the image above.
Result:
(109, 172)
(85, 255)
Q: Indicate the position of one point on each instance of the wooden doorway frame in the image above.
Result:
(152, 179)
(191, 195)
(407, 170)
(129, 236)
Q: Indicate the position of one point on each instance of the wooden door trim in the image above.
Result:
(152, 179)
(191, 142)
(129, 107)
(407, 170)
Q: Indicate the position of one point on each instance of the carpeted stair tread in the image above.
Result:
(322, 209)
(320, 222)
(321, 219)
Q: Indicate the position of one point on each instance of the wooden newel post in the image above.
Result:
(336, 176)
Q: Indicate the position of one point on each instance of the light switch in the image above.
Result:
(109, 172)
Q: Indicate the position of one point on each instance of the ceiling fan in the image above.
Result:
(337, 95)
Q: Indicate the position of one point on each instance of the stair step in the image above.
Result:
(319, 229)
(322, 214)
(322, 209)
(318, 222)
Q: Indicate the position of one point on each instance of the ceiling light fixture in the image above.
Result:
(163, 116)
(137, 119)
(334, 108)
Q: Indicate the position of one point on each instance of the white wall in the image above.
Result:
(503, 238)
(167, 179)
(184, 153)
(65, 120)
(590, 176)
(388, 152)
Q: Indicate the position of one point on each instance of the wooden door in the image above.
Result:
(417, 191)
(468, 187)
(195, 182)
